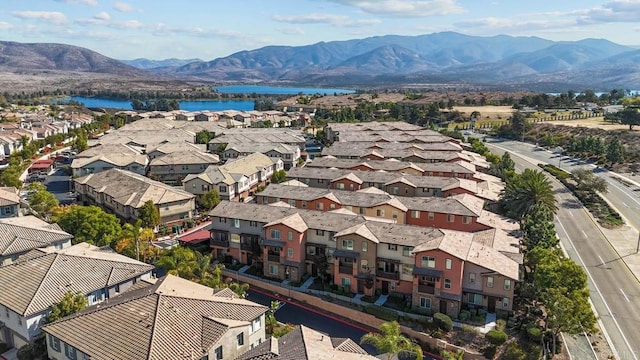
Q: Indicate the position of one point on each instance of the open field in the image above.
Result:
(593, 123)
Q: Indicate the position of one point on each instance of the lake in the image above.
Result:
(212, 105)
(278, 90)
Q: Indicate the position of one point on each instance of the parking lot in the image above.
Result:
(60, 184)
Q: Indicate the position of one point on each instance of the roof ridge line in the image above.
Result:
(153, 324)
(41, 282)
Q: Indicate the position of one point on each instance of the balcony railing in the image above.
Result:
(219, 242)
(388, 275)
(426, 289)
(273, 258)
(345, 269)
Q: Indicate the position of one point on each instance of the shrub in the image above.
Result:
(381, 313)
(534, 334)
(464, 315)
(513, 352)
(496, 337)
(501, 324)
(443, 321)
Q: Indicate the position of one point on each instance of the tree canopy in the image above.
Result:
(526, 190)
(88, 224)
(588, 181)
(135, 242)
(210, 199)
(391, 342)
(149, 215)
(70, 304)
(279, 176)
(40, 200)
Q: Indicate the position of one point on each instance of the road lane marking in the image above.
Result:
(625, 205)
(601, 261)
(604, 302)
(570, 213)
(584, 233)
(625, 295)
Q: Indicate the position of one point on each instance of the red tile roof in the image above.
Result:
(195, 237)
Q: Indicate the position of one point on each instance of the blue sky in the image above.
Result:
(207, 29)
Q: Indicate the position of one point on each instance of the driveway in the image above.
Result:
(59, 184)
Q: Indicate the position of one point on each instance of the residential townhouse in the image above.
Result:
(206, 116)
(441, 169)
(418, 137)
(237, 179)
(124, 193)
(19, 235)
(172, 168)
(168, 148)
(135, 163)
(333, 131)
(288, 153)
(172, 318)
(366, 256)
(10, 142)
(47, 275)
(257, 135)
(303, 343)
(393, 183)
(362, 147)
(9, 202)
(458, 212)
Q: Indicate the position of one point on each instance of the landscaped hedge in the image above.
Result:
(443, 321)
(381, 312)
(534, 334)
(496, 337)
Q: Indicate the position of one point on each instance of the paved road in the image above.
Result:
(615, 292)
(59, 184)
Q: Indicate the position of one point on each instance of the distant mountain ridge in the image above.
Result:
(391, 60)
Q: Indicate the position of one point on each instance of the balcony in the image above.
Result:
(345, 269)
(219, 242)
(273, 258)
(247, 246)
(426, 289)
(388, 275)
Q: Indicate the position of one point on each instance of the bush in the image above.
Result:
(513, 352)
(496, 337)
(381, 313)
(443, 321)
(501, 324)
(464, 315)
(534, 334)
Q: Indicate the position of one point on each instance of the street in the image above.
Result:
(59, 184)
(614, 289)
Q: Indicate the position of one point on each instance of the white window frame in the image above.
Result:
(430, 261)
(347, 244)
(451, 218)
(415, 214)
(256, 324)
(365, 246)
(448, 263)
(345, 281)
(273, 233)
(445, 282)
(289, 253)
(425, 303)
(472, 278)
(507, 284)
(490, 281)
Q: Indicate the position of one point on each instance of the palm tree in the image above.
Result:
(391, 342)
(529, 189)
(131, 236)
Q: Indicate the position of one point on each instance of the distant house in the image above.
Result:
(174, 167)
(41, 167)
(288, 153)
(136, 163)
(124, 193)
(168, 318)
(9, 202)
(47, 275)
(19, 235)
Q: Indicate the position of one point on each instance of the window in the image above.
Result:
(393, 247)
(275, 234)
(394, 214)
(340, 186)
(289, 253)
(240, 339)
(505, 303)
(19, 320)
(273, 269)
(54, 342)
(255, 325)
(472, 278)
(466, 219)
(364, 265)
(365, 246)
(447, 283)
(361, 211)
(425, 303)
(507, 284)
(86, 357)
(415, 214)
(428, 261)
(475, 299)
(447, 264)
(6, 311)
(332, 206)
(223, 219)
(345, 281)
(490, 281)
(320, 232)
(379, 212)
(304, 204)
(394, 190)
(406, 250)
(430, 215)
(451, 218)
(70, 352)
(347, 244)
(290, 235)
(253, 223)
(236, 223)
(292, 202)
(218, 352)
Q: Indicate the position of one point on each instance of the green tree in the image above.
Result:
(239, 289)
(588, 181)
(81, 142)
(210, 199)
(70, 304)
(615, 151)
(279, 176)
(629, 116)
(391, 342)
(40, 200)
(203, 137)
(11, 177)
(526, 190)
(134, 240)
(88, 224)
(568, 312)
(149, 215)
(538, 229)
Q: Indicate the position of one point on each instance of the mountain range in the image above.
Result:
(446, 57)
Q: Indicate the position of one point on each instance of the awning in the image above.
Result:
(346, 254)
(273, 242)
(427, 272)
(447, 296)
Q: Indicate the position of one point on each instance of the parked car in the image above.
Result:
(36, 177)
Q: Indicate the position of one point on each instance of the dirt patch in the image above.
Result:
(593, 123)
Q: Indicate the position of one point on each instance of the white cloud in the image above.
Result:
(405, 8)
(5, 25)
(123, 7)
(85, 2)
(52, 17)
(612, 11)
(103, 16)
(291, 30)
(493, 24)
(322, 18)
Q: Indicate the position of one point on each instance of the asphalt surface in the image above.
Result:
(615, 291)
(59, 184)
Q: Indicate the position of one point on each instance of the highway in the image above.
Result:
(615, 292)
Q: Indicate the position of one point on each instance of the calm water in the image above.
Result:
(213, 105)
(277, 90)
